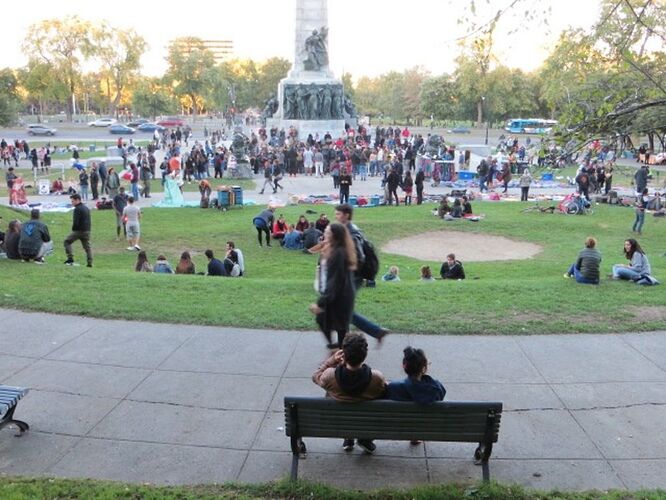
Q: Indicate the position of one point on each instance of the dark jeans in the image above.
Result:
(344, 195)
(365, 325)
(84, 237)
(524, 190)
(262, 228)
(419, 195)
(573, 271)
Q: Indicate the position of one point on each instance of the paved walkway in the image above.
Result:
(170, 404)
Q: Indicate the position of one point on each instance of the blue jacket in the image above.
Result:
(424, 391)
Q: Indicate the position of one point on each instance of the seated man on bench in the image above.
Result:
(347, 379)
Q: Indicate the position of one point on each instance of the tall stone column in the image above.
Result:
(311, 15)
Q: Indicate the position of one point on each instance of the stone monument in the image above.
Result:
(311, 99)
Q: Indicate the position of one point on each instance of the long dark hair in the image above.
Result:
(141, 259)
(341, 239)
(634, 247)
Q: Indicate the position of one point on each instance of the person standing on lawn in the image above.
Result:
(81, 227)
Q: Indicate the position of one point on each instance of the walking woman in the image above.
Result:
(335, 284)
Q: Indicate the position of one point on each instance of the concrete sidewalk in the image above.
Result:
(171, 404)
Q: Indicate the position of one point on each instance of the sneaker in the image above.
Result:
(367, 445)
(130, 248)
(89, 264)
(69, 262)
(137, 248)
(348, 444)
(566, 275)
(383, 332)
(40, 261)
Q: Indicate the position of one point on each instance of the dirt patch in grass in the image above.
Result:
(649, 313)
(468, 247)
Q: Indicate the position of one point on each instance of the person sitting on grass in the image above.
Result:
(444, 207)
(240, 259)
(452, 269)
(302, 224)
(638, 270)
(12, 239)
(586, 267)
(35, 240)
(393, 274)
(57, 187)
(280, 228)
(142, 265)
(466, 206)
(293, 240)
(215, 266)
(426, 274)
(185, 264)
(456, 211)
(162, 266)
(346, 378)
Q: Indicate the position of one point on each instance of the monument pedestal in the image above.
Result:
(316, 115)
(310, 99)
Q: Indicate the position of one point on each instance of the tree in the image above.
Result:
(366, 97)
(348, 84)
(625, 92)
(152, 98)
(473, 66)
(43, 88)
(439, 98)
(120, 53)
(413, 80)
(190, 71)
(391, 91)
(270, 73)
(9, 100)
(63, 44)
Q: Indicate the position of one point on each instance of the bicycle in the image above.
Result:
(539, 208)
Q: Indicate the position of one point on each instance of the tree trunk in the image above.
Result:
(479, 113)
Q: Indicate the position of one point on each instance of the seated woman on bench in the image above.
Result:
(417, 387)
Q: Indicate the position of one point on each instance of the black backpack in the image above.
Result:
(370, 266)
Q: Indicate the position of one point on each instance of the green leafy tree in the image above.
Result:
(348, 84)
(391, 91)
(152, 97)
(366, 97)
(190, 71)
(119, 52)
(270, 73)
(63, 44)
(412, 83)
(9, 100)
(42, 87)
(439, 98)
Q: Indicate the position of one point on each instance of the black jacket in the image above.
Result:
(81, 219)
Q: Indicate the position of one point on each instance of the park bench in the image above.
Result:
(9, 398)
(448, 421)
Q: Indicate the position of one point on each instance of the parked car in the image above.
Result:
(171, 122)
(460, 130)
(121, 129)
(103, 122)
(150, 127)
(137, 122)
(39, 129)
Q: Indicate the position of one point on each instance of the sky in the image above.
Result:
(368, 37)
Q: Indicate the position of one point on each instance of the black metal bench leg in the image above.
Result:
(294, 466)
(486, 471)
(9, 420)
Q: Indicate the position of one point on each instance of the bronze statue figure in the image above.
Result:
(317, 50)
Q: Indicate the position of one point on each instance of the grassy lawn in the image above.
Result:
(26, 488)
(522, 296)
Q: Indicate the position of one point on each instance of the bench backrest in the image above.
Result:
(459, 421)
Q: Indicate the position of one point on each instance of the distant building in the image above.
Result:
(222, 50)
